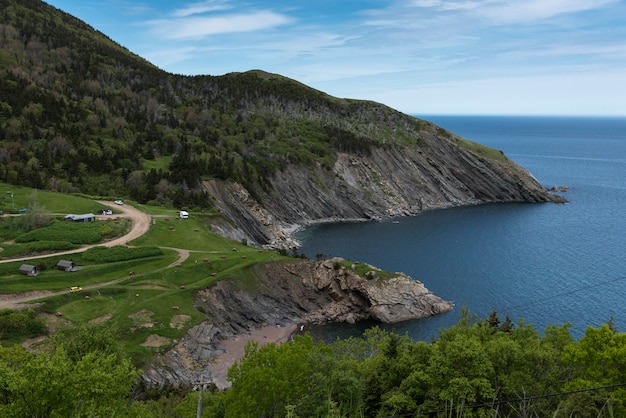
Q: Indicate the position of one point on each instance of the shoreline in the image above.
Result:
(234, 349)
(291, 230)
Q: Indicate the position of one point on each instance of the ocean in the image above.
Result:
(543, 264)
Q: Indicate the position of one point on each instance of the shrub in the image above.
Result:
(105, 229)
(119, 253)
(16, 324)
(50, 246)
(76, 233)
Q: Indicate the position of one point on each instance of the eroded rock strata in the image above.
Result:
(298, 291)
(390, 182)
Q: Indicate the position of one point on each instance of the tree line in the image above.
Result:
(476, 368)
(79, 113)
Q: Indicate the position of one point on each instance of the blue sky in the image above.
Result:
(425, 57)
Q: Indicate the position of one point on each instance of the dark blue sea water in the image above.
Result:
(543, 263)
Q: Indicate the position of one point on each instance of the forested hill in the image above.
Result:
(80, 113)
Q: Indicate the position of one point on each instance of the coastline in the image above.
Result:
(291, 230)
(234, 349)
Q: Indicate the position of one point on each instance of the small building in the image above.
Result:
(88, 217)
(29, 270)
(66, 265)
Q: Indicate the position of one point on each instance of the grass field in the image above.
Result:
(153, 306)
(53, 202)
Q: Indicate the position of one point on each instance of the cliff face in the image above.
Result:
(285, 293)
(390, 181)
(305, 156)
(317, 292)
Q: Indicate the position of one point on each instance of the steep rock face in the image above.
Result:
(287, 293)
(317, 292)
(391, 181)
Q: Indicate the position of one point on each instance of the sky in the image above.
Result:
(422, 57)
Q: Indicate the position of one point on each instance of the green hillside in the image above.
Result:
(82, 118)
(79, 113)
(161, 277)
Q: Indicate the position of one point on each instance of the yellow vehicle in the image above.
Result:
(75, 289)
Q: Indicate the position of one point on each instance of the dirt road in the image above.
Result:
(233, 348)
(140, 224)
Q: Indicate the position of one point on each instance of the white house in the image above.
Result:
(87, 217)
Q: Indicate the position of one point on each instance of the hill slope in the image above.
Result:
(79, 113)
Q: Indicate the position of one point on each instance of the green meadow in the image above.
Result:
(24, 197)
(147, 290)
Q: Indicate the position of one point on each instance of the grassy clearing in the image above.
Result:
(17, 241)
(362, 269)
(52, 279)
(23, 197)
(149, 298)
(153, 306)
(189, 234)
(157, 210)
(159, 163)
(481, 149)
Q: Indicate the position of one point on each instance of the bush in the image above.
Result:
(20, 324)
(119, 253)
(50, 246)
(76, 233)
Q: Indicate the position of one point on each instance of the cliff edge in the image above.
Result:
(387, 182)
(284, 294)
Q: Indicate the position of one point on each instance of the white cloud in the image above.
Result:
(584, 93)
(509, 11)
(198, 27)
(203, 7)
(164, 57)
(420, 56)
(452, 4)
(533, 10)
(426, 3)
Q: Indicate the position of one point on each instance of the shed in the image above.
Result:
(87, 217)
(28, 270)
(66, 265)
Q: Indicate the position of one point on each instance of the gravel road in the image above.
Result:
(140, 224)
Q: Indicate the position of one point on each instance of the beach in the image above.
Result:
(234, 349)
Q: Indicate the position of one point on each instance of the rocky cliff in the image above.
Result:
(293, 292)
(317, 292)
(390, 181)
(434, 170)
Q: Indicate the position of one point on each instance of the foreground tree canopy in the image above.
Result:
(477, 368)
(82, 372)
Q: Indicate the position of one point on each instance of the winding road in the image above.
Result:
(140, 224)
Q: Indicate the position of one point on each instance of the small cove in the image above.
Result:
(545, 263)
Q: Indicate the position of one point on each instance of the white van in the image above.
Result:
(184, 214)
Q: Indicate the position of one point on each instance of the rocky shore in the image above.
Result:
(287, 295)
(388, 181)
(391, 182)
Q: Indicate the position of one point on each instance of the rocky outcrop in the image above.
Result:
(390, 181)
(438, 170)
(317, 292)
(299, 291)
